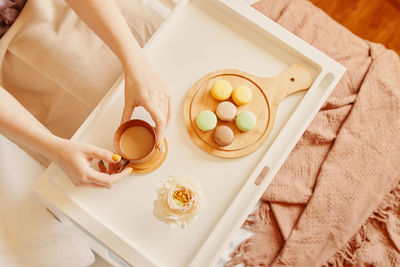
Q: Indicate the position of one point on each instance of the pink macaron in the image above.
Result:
(226, 111)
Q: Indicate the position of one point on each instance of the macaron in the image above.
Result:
(223, 135)
(246, 121)
(206, 120)
(242, 95)
(226, 111)
(221, 90)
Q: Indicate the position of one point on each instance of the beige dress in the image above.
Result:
(57, 68)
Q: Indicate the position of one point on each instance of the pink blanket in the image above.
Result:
(336, 200)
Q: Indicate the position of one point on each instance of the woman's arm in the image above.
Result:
(142, 85)
(17, 123)
(72, 157)
(106, 20)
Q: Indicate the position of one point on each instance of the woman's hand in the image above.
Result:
(75, 158)
(142, 85)
(144, 88)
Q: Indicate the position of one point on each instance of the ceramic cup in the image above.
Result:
(117, 138)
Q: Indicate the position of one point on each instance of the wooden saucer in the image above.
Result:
(154, 163)
(267, 95)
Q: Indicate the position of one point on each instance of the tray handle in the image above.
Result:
(294, 79)
(261, 176)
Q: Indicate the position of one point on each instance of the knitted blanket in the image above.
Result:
(336, 200)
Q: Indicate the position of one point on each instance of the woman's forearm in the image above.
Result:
(18, 124)
(73, 158)
(107, 21)
(143, 87)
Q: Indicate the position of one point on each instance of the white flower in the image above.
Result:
(180, 200)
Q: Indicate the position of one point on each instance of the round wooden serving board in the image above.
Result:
(267, 94)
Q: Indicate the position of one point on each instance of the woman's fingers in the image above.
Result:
(127, 112)
(159, 119)
(159, 107)
(102, 154)
(107, 180)
(94, 185)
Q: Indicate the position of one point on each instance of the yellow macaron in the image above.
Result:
(221, 90)
(242, 95)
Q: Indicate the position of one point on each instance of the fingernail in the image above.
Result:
(116, 157)
(129, 170)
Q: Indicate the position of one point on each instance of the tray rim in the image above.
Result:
(70, 208)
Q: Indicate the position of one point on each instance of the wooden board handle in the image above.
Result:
(294, 79)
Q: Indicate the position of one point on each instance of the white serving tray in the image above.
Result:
(198, 37)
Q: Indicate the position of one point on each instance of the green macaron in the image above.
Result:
(246, 121)
(206, 120)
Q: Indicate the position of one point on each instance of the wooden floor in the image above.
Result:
(374, 20)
